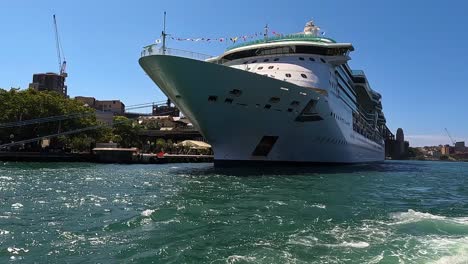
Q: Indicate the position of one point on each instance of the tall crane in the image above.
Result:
(451, 139)
(60, 53)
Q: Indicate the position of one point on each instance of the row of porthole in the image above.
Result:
(277, 59)
(332, 141)
(273, 100)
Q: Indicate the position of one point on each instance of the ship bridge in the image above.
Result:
(337, 53)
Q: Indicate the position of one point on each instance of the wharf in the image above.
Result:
(46, 157)
(88, 157)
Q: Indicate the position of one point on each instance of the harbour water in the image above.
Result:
(395, 212)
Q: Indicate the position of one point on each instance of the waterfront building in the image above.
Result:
(114, 106)
(290, 98)
(167, 122)
(49, 82)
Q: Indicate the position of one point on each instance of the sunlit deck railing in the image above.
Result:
(155, 50)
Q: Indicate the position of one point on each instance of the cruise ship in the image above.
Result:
(284, 99)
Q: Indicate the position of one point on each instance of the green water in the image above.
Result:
(396, 212)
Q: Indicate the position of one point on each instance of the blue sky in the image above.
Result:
(414, 52)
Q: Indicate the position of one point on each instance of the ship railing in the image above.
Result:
(358, 73)
(155, 50)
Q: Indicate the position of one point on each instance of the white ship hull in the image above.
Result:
(235, 128)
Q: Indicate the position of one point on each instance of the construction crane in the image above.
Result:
(60, 53)
(451, 139)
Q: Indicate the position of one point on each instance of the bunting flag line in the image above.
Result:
(224, 39)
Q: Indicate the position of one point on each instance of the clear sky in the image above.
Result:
(414, 52)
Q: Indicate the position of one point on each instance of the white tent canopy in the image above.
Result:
(194, 144)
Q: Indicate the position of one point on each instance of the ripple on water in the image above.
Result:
(148, 212)
(194, 213)
(17, 206)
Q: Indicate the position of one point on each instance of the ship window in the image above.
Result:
(235, 92)
(274, 100)
(245, 62)
(294, 103)
(271, 67)
(276, 59)
(265, 60)
(304, 76)
(259, 68)
(290, 110)
(300, 58)
(212, 98)
(288, 75)
(254, 61)
(267, 106)
(228, 100)
(322, 60)
(311, 59)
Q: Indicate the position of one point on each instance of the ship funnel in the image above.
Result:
(311, 29)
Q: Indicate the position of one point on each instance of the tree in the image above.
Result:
(20, 105)
(81, 143)
(160, 144)
(126, 132)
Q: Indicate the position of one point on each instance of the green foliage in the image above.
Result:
(160, 144)
(126, 132)
(414, 152)
(82, 143)
(444, 157)
(20, 105)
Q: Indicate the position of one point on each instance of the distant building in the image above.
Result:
(114, 106)
(445, 150)
(89, 101)
(164, 122)
(460, 147)
(49, 82)
(434, 153)
(164, 110)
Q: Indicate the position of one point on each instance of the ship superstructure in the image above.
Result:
(290, 98)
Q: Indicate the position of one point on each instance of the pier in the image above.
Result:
(121, 157)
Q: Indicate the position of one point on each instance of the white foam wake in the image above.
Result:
(412, 216)
(147, 213)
